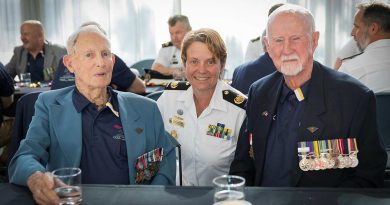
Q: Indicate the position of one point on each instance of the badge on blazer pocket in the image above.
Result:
(147, 165)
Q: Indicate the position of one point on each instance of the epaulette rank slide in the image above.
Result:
(255, 39)
(234, 98)
(167, 44)
(178, 85)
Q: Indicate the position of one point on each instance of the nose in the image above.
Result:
(353, 31)
(286, 47)
(100, 61)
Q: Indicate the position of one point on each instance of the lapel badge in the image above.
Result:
(138, 130)
(312, 129)
(264, 114)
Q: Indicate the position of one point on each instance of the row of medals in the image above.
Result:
(328, 158)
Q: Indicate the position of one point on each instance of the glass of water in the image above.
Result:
(229, 188)
(68, 185)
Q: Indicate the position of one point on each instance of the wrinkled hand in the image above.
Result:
(41, 185)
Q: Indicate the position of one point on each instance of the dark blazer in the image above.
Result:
(247, 73)
(339, 106)
(18, 62)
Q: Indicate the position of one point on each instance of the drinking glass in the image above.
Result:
(178, 74)
(229, 188)
(68, 185)
(25, 79)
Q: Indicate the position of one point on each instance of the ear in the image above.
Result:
(67, 61)
(373, 28)
(113, 59)
(315, 37)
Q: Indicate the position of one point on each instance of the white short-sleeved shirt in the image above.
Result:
(372, 67)
(208, 142)
(254, 49)
(169, 56)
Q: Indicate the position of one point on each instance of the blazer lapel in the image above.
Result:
(67, 128)
(265, 114)
(23, 61)
(312, 126)
(135, 133)
(49, 57)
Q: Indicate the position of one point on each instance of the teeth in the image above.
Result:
(201, 78)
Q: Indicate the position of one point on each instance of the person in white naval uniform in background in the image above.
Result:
(371, 31)
(168, 58)
(204, 114)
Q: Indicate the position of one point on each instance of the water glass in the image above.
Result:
(68, 185)
(25, 79)
(228, 188)
(178, 74)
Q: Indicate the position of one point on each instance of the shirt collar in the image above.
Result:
(80, 102)
(286, 91)
(216, 102)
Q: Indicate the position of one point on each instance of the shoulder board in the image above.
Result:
(255, 39)
(178, 85)
(234, 98)
(167, 44)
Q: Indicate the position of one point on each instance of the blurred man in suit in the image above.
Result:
(36, 56)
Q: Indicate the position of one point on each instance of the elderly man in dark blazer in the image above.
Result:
(36, 56)
(307, 125)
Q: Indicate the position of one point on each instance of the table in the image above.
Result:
(171, 195)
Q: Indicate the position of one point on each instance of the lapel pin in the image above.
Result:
(264, 114)
(138, 130)
(312, 129)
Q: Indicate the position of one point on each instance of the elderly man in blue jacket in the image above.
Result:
(91, 126)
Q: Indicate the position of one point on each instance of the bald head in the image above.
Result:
(32, 35)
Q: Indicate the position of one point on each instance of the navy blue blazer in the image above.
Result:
(247, 73)
(339, 106)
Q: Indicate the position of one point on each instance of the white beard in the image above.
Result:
(291, 68)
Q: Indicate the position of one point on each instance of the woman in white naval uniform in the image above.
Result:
(204, 114)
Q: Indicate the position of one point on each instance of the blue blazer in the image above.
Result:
(247, 73)
(54, 138)
(339, 106)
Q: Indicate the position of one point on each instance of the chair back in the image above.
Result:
(383, 117)
(24, 112)
(142, 65)
(155, 95)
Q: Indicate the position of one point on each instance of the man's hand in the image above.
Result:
(41, 185)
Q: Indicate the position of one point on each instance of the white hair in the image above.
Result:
(72, 40)
(296, 10)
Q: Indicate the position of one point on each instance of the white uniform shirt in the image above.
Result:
(254, 50)
(203, 156)
(169, 56)
(372, 67)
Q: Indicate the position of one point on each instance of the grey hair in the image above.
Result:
(378, 12)
(72, 40)
(296, 10)
(179, 18)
